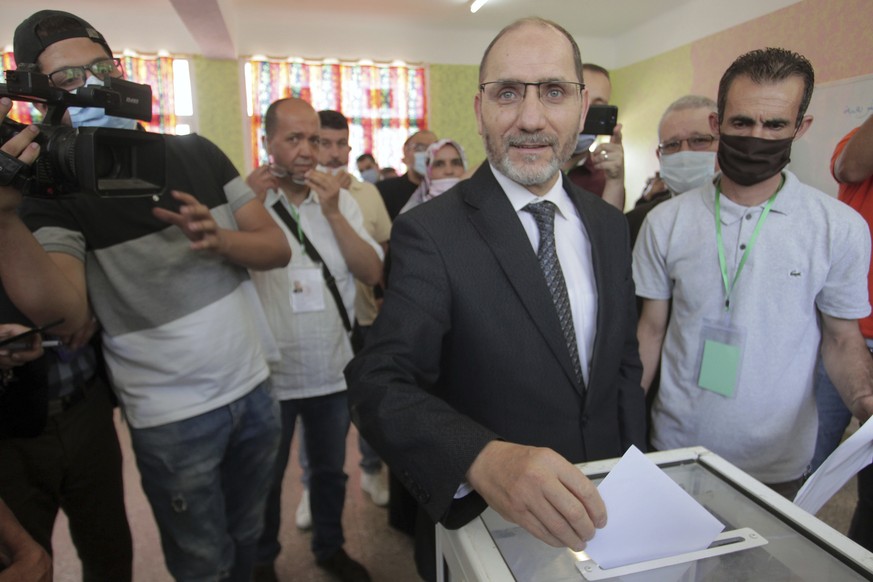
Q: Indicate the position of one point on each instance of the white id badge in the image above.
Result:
(306, 292)
(720, 357)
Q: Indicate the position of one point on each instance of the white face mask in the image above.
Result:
(332, 171)
(684, 171)
(440, 185)
(96, 116)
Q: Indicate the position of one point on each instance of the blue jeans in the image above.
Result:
(326, 421)
(833, 416)
(370, 461)
(206, 478)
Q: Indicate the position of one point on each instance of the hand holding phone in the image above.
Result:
(24, 341)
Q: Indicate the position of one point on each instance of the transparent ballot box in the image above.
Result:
(766, 538)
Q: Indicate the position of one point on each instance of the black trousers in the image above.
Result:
(861, 528)
(74, 465)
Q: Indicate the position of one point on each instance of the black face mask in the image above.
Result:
(749, 160)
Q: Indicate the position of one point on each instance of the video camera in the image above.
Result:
(99, 160)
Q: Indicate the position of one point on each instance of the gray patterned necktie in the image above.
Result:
(544, 215)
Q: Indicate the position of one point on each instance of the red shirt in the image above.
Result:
(860, 197)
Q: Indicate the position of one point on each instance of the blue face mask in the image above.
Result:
(96, 116)
(420, 165)
(583, 142)
(370, 175)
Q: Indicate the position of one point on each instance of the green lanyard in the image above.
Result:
(729, 285)
(293, 210)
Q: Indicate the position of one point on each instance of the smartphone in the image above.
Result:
(26, 345)
(601, 120)
(22, 341)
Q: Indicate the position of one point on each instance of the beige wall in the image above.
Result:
(452, 88)
(219, 106)
(642, 91)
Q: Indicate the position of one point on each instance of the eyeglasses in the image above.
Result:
(70, 78)
(512, 93)
(695, 142)
(417, 147)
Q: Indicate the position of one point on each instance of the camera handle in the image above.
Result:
(13, 172)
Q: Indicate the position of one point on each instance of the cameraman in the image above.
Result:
(167, 280)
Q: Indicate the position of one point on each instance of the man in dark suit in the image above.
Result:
(488, 373)
(396, 191)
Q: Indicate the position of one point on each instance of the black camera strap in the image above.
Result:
(312, 253)
(13, 172)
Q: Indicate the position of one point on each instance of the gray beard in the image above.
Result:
(526, 175)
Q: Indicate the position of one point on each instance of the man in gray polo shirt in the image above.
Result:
(763, 271)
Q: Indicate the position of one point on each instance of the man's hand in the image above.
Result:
(260, 180)
(80, 338)
(22, 147)
(10, 358)
(22, 558)
(540, 491)
(609, 156)
(327, 187)
(345, 179)
(196, 222)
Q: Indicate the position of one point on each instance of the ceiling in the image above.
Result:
(612, 33)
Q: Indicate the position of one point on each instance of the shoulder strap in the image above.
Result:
(313, 254)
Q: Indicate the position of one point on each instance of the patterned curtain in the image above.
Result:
(384, 104)
(156, 71)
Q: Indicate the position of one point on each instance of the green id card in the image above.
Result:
(720, 357)
(719, 368)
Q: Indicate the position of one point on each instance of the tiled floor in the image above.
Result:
(386, 553)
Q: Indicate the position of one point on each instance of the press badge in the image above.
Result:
(720, 357)
(306, 289)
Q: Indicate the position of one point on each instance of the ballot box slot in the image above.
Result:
(727, 542)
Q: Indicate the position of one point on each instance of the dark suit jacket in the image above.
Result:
(395, 193)
(468, 347)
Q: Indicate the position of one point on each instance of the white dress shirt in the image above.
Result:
(314, 346)
(574, 254)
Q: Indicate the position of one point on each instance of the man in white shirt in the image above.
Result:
(311, 323)
(763, 272)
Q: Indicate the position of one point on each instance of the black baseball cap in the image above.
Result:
(28, 43)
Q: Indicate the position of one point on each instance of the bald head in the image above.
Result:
(533, 21)
(293, 106)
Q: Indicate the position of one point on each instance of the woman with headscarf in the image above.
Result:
(446, 165)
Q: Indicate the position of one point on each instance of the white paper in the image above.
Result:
(649, 516)
(849, 458)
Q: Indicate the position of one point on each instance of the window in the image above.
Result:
(383, 103)
(172, 103)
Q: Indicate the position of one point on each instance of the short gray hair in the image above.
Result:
(689, 102)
